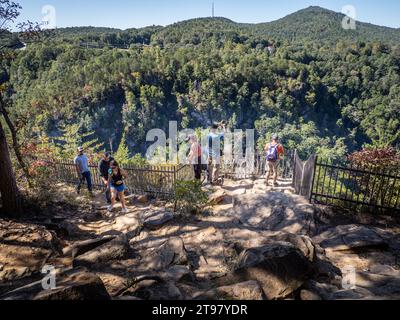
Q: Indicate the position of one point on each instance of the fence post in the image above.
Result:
(173, 191)
(174, 184)
(313, 178)
(302, 178)
(294, 169)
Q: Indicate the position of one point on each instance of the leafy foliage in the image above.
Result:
(189, 197)
(378, 159)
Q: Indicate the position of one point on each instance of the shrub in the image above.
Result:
(189, 197)
(379, 158)
(381, 189)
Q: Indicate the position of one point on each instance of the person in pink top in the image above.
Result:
(195, 156)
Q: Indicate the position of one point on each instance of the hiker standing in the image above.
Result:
(81, 162)
(275, 152)
(194, 156)
(215, 140)
(117, 185)
(104, 166)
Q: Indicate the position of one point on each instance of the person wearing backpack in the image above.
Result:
(275, 152)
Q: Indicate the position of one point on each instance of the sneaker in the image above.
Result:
(124, 210)
(110, 208)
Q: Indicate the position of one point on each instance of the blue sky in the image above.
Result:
(138, 13)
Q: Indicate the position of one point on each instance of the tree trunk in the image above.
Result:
(8, 186)
(16, 148)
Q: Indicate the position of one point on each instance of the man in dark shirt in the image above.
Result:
(104, 166)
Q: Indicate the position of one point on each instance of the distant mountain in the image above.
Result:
(102, 37)
(195, 31)
(86, 29)
(316, 23)
(310, 24)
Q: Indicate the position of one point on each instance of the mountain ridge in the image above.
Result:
(315, 9)
(309, 24)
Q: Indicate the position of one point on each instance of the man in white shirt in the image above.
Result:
(81, 162)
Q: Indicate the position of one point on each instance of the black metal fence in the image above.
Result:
(334, 184)
(343, 185)
(155, 180)
(358, 188)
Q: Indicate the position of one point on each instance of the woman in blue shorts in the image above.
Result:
(117, 185)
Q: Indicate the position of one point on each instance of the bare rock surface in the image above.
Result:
(280, 268)
(178, 273)
(218, 197)
(253, 241)
(156, 220)
(113, 250)
(172, 252)
(380, 285)
(72, 285)
(24, 249)
(275, 211)
(249, 290)
(307, 295)
(350, 238)
(82, 247)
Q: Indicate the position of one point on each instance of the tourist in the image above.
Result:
(117, 185)
(275, 153)
(215, 140)
(194, 156)
(104, 166)
(81, 162)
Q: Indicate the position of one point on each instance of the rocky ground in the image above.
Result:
(254, 242)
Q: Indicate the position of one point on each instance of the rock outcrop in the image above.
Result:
(156, 220)
(25, 249)
(279, 268)
(112, 250)
(352, 238)
(72, 285)
(172, 252)
(275, 211)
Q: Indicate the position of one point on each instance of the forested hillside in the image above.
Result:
(329, 96)
(322, 25)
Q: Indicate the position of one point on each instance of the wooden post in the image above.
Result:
(173, 191)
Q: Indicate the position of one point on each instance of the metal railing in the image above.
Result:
(356, 187)
(346, 186)
(156, 180)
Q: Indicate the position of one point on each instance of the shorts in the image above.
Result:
(119, 189)
(272, 167)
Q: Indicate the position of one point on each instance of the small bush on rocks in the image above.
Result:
(189, 197)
